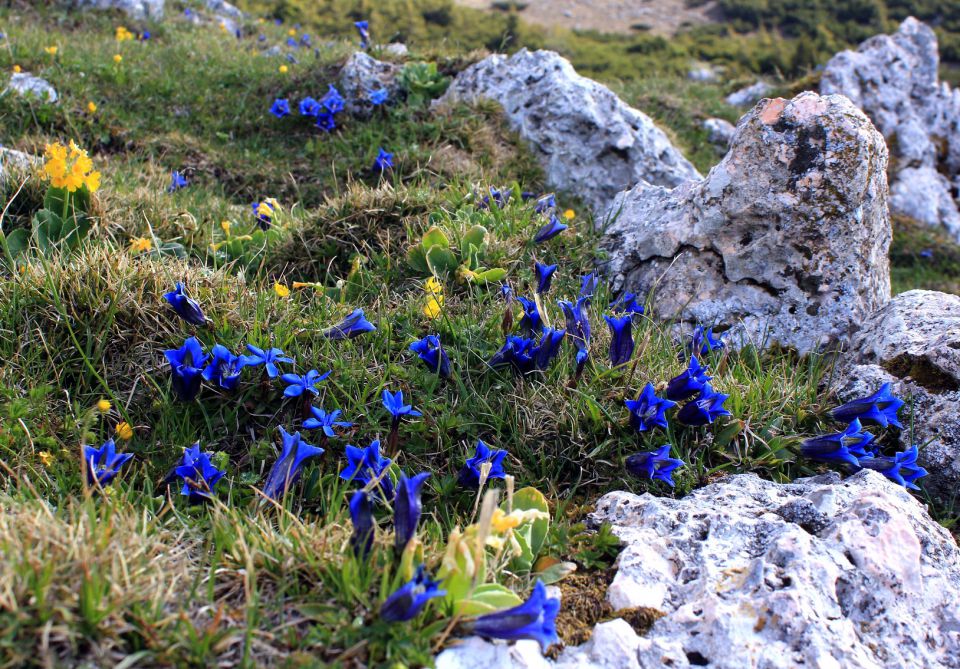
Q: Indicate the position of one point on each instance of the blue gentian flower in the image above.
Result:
(469, 476)
(292, 42)
(292, 59)
(588, 285)
(545, 204)
(378, 96)
(261, 38)
(926, 253)
(654, 465)
(544, 276)
(186, 308)
(309, 107)
(145, 36)
(305, 39)
(881, 409)
(902, 468)
(199, 475)
(648, 410)
(280, 108)
(703, 342)
(551, 229)
(531, 323)
(266, 357)
(410, 598)
(535, 619)
(578, 326)
(286, 470)
(333, 101)
(363, 27)
(365, 465)
(526, 355)
(847, 447)
(432, 354)
(407, 509)
(224, 368)
(621, 342)
(177, 181)
(325, 421)
(104, 463)
(263, 219)
(361, 512)
(497, 196)
(352, 326)
(627, 303)
(298, 385)
(186, 367)
(383, 161)
(690, 382)
(393, 402)
(705, 409)
(527, 195)
(326, 122)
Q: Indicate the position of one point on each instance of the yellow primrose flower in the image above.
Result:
(92, 107)
(502, 522)
(292, 32)
(124, 431)
(569, 214)
(434, 307)
(70, 171)
(123, 34)
(283, 69)
(45, 458)
(272, 201)
(140, 245)
(117, 58)
(52, 50)
(103, 406)
(225, 226)
(433, 286)
(281, 290)
(223, 26)
(17, 69)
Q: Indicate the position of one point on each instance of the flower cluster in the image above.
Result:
(69, 169)
(322, 111)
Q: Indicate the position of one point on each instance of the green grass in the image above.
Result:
(133, 573)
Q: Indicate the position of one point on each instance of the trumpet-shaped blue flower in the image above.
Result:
(901, 468)
(309, 107)
(847, 447)
(548, 231)
(305, 40)
(690, 382)
(407, 509)
(654, 465)
(186, 308)
(545, 204)
(363, 28)
(326, 122)
(588, 286)
(378, 96)
(621, 342)
(544, 276)
(361, 512)
(432, 354)
(383, 161)
(223, 368)
(410, 598)
(365, 465)
(177, 181)
(325, 421)
(198, 474)
(186, 368)
(298, 385)
(352, 326)
(393, 402)
(881, 409)
(293, 43)
(648, 410)
(703, 342)
(705, 409)
(332, 100)
(578, 326)
(496, 196)
(627, 304)
(531, 323)
(526, 355)
(104, 463)
(286, 470)
(469, 476)
(267, 357)
(280, 108)
(535, 619)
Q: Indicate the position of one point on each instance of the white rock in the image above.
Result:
(224, 9)
(893, 78)
(720, 132)
(613, 645)
(136, 9)
(362, 74)
(15, 161)
(28, 85)
(762, 577)
(703, 72)
(475, 653)
(749, 95)
(785, 240)
(396, 49)
(589, 142)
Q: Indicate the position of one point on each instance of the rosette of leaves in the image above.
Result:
(436, 255)
(422, 82)
(61, 224)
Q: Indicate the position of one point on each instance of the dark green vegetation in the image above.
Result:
(136, 572)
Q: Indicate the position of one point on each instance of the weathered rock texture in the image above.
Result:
(785, 240)
(135, 9)
(749, 95)
(818, 573)
(914, 343)
(720, 132)
(589, 142)
(28, 85)
(362, 74)
(893, 78)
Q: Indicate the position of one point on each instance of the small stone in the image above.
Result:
(720, 132)
(749, 95)
(396, 49)
(28, 85)
(139, 10)
(703, 73)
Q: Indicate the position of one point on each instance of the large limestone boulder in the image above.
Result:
(914, 343)
(589, 142)
(136, 9)
(360, 76)
(893, 78)
(785, 240)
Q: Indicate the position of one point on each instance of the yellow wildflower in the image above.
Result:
(569, 214)
(292, 32)
(223, 26)
(140, 245)
(433, 286)
(124, 431)
(225, 226)
(283, 69)
(45, 458)
(123, 34)
(434, 307)
(502, 522)
(281, 290)
(52, 50)
(103, 406)
(272, 201)
(71, 171)
(17, 69)
(92, 107)
(117, 58)
(263, 209)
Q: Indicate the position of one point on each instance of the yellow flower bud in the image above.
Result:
(92, 107)
(117, 58)
(283, 69)
(281, 290)
(45, 458)
(124, 431)
(569, 214)
(103, 406)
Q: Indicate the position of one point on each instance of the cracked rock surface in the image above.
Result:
(913, 342)
(135, 9)
(589, 142)
(893, 78)
(785, 240)
(361, 75)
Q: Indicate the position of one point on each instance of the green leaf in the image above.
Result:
(489, 275)
(47, 227)
(417, 258)
(18, 241)
(434, 237)
(441, 260)
(531, 498)
(475, 237)
(488, 598)
(728, 434)
(523, 563)
(557, 572)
